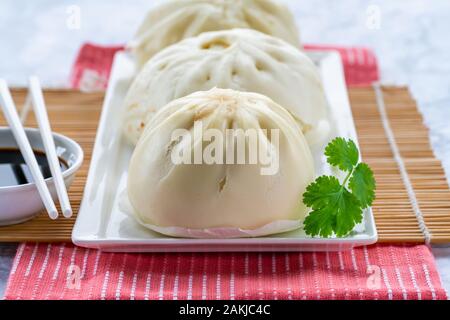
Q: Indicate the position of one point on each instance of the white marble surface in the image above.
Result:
(410, 38)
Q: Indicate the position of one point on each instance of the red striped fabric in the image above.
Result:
(92, 66)
(360, 64)
(63, 271)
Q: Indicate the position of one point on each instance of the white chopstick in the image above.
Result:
(18, 131)
(40, 112)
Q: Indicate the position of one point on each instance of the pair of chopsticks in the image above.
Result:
(13, 119)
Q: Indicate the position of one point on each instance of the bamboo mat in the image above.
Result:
(76, 115)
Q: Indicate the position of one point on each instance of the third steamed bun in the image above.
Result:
(175, 20)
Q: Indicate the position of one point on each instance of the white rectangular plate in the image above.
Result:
(101, 224)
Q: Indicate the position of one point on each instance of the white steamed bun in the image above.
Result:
(239, 59)
(176, 20)
(220, 200)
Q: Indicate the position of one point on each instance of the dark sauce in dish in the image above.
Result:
(14, 171)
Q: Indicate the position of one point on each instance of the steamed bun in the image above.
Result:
(211, 199)
(239, 59)
(176, 20)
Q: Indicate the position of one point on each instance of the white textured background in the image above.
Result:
(412, 44)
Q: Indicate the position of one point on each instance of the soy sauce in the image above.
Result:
(14, 171)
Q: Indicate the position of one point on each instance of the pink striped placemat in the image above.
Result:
(63, 271)
(49, 271)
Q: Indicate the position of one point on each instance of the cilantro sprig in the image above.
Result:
(338, 206)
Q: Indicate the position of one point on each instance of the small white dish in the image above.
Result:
(102, 223)
(20, 203)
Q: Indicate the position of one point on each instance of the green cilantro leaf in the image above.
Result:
(342, 153)
(334, 208)
(362, 184)
(318, 192)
